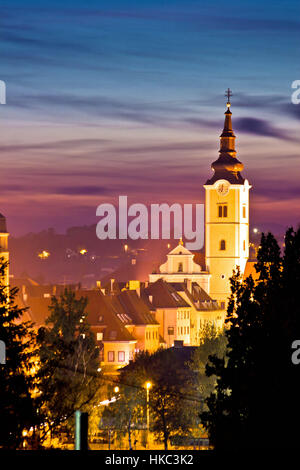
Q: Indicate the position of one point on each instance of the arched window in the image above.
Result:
(222, 245)
(180, 267)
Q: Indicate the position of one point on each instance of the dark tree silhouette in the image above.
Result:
(17, 411)
(256, 401)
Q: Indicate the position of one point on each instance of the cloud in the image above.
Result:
(56, 145)
(81, 190)
(259, 127)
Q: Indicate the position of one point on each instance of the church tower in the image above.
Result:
(226, 215)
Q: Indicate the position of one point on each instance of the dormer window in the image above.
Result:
(100, 318)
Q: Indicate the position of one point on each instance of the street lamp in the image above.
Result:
(148, 385)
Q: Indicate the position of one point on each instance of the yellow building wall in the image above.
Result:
(234, 229)
(118, 346)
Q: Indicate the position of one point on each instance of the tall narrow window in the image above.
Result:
(121, 356)
(222, 210)
(111, 356)
(180, 267)
(244, 245)
(222, 245)
(244, 212)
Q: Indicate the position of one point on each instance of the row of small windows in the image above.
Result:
(223, 211)
(183, 330)
(154, 335)
(185, 315)
(111, 355)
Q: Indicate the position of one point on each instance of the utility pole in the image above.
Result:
(81, 430)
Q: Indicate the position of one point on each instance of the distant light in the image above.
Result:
(168, 245)
(99, 369)
(116, 389)
(148, 385)
(255, 230)
(44, 254)
(125, 248)
(83, 251)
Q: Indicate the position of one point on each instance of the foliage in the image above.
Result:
(256, 401)
(172, 395)
(17, 410)
(69, 360)
(213, 343)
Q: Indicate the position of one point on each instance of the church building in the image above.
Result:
(226, 227)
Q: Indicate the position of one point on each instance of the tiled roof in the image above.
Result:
(250, 270)
(163, 295)
(198, 297)
(101, 313)
(131, 305)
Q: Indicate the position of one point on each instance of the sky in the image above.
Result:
(109, 98)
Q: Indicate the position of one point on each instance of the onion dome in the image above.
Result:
(227, 166)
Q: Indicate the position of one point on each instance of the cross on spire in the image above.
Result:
(228, 93)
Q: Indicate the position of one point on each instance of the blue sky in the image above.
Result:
(127, 97)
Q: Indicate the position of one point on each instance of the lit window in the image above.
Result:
(111, 356)
(99, 336)
(244, 212)
(121, 356)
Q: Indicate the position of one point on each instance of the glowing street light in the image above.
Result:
(116, 389)
(255, 230)
(83, 251)
(148, 385)
(125, 248)
(44, 254)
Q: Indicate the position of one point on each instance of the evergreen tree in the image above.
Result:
(256, 399)
(69, 360)
(17, 410)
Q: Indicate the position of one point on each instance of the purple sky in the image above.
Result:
(128, 99)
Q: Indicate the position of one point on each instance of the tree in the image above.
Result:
(256, 401)
(126, 414)
(213, 342)
(69, 360)
(172, 397)
(17, 410)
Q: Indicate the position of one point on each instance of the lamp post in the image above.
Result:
(148, 385)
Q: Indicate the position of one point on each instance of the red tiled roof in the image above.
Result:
(163, 295)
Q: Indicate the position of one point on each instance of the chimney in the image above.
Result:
(189, 285)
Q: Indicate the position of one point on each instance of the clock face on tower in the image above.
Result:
(223, 187)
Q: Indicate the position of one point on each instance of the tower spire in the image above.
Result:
(227, 166)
